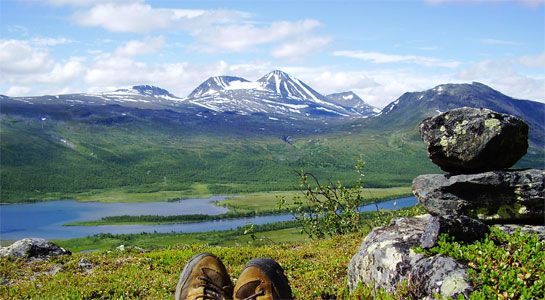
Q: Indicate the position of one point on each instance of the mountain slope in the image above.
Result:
(353, 102)
(412, 107)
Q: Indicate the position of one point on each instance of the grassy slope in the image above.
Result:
(313, 267)
(153, 275)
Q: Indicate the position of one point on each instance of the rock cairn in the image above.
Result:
(476, 147)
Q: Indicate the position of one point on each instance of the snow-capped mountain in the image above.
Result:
(353, 102)
(276, 93)
(141, 96)
(219, 83)
(290, 87)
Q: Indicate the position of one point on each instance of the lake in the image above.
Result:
(45, 219)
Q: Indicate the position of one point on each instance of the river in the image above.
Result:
(46, 219)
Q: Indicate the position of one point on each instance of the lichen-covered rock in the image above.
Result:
(33, 248)
(471, 140)
(494, 197)
(387, 260)
(461, 228)
(438, 275)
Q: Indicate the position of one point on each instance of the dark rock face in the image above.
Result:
(386, 260)
(470, 140)
(497, 197)
(462, 228)
(33, 248)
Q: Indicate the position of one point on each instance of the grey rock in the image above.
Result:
(4, 281)
(535, 229)
(494, 197)
(53, 271)
(471, 140)
(85, 265)
(385, 259)
(438, 275)
(33, 248)
(461, 228)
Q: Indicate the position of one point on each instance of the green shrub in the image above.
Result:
(330, 209)
(502, 266)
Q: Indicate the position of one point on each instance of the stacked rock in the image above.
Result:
(476, 147)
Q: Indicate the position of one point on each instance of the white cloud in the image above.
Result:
(50, 41)
(146, 46)
(501, 76)
(60, 73)
(139, 17)
(18, 90)
(129, 17)
(300, 47)
(214, 30)
(239, 37)
(381, 58)
(19, 57)
(533, 61)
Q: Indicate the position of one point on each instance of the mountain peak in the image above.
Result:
(151, 90)
(289, 87)
(354, 102)
(218, 83)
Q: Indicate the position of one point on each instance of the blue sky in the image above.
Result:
(379, 49)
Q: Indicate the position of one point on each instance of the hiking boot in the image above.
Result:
(262, 279)
(204, 277)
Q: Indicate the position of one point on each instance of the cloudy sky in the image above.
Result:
(379, 49)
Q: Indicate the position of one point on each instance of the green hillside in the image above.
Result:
(75, 159)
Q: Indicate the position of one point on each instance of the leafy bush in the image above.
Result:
(502, 266)
(328, 210)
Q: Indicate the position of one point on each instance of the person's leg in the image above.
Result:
(262, 279)
(204, 277)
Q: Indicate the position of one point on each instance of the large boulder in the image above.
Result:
(497, 197)
(33, 248)
(387, 260)
(470, 140)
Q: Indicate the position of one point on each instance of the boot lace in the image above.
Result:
(254, 296)
(212, 291)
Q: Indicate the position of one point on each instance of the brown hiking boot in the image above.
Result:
(204, 277)
(262, 279)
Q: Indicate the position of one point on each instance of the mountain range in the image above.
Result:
(277, 94)
(229, 134)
